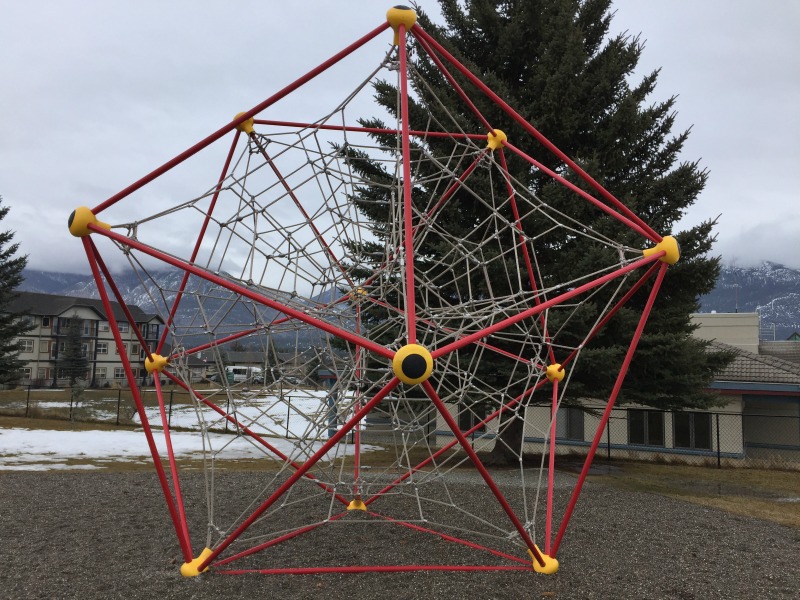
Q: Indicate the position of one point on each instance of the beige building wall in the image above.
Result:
(737, 329)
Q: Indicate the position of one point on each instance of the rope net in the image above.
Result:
(286, 288)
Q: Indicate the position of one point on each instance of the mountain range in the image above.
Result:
(770, 289)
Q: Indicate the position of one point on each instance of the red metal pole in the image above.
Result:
(295, 314)
(378, 130)
(610, 405)
(582, 193)
(185, 543)
(551, 467)
(373, 569)
(314, 459)
(523, 240)
(465, 445)
(420, 33)
(455, 540)
(197, 244)
(173, 467)
(408, 207)
(487, 331)
(622, 302)
(482, 423)
(302, 210)
(250, 433)
(440, 65)
(120, 300)
(239, 120)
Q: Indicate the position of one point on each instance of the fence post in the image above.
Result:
(169, 416)
(719, 455)
(119, 403)
(288, 415)
(608, 438)
(28, 401)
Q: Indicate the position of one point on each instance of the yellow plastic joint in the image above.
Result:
(358, 293)
(412, 364)
(357, 504)
(401, 15)
(496, 139)
(555, 371)
(669, 245)
(191, 569)
(550, 563)
(244, 126)
(80, 219)
(155, 362)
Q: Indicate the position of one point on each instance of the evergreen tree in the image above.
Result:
(555, 63)
(12, 325)
(72, 361)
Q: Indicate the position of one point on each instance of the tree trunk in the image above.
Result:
(508, 444)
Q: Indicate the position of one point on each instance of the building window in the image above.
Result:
(26, 373)
(89, 327)
(692, 430)
(26, 345)
(124, 349)
(102, 347)
(569, 423)
(44, 347)
(45, 321)
(646, 427)
(100, 373)
(123, 326)
(135, 350)
(119, 373)
(103, 326)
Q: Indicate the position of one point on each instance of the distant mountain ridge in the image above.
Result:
(159, 294)
(771, 289)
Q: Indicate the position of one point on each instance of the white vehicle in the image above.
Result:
(238, 374)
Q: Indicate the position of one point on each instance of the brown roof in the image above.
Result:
(748, 367)
(35, 303)
(787, 350)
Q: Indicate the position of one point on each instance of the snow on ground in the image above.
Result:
(297, 428)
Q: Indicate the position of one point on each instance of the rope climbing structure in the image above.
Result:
(392, 281)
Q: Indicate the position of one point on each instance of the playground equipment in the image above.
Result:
(406, 348)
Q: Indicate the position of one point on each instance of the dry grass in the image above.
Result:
(764, 494)
(772, 495)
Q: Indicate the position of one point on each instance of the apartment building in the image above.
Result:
(50, 316)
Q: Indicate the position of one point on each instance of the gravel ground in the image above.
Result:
(107, 535)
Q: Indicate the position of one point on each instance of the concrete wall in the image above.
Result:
(737, 329)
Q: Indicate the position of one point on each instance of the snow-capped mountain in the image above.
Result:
(770, 289)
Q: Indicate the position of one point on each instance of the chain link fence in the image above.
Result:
(721, 439)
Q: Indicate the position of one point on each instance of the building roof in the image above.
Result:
(748, 367)
(35, 303)
(787, 350)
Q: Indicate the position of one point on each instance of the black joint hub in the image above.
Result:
(414, 366)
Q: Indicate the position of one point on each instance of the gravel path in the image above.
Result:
(107, 535)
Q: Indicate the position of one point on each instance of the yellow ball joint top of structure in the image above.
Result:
(244, 126)
(670, 246)
(550, 563)
(496, 139)
(80, 219)
(412, 364)
(155, 362)
(555, 371)
(401, 15)
(191, 569)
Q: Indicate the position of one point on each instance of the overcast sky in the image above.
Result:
(96, 94)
